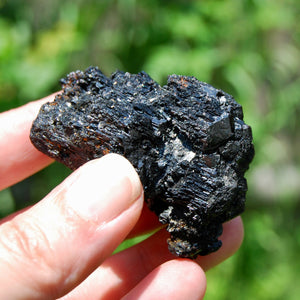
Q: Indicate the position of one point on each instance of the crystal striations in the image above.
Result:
(187, 141)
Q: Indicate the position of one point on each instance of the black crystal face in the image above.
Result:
(187, 141)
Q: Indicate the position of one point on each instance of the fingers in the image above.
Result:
(123, 271)
(18, 157)
(54, 245)
(175, 279)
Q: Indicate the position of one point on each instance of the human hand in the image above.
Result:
(61, 247)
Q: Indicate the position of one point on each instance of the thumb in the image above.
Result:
(53, 246)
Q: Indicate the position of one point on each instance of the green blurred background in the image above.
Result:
(249, 48)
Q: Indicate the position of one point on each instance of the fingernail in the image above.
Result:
(104, 188)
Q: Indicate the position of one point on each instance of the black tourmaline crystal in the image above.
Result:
(187, 141)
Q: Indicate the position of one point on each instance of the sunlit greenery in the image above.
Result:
(249, 48)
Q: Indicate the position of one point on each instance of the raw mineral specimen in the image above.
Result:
(187, 141)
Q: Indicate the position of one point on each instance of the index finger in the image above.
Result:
(18, 157)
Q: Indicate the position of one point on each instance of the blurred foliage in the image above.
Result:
(249, 48)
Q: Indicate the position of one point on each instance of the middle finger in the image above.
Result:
(123, 271)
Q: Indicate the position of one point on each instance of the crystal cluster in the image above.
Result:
(187, 141)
